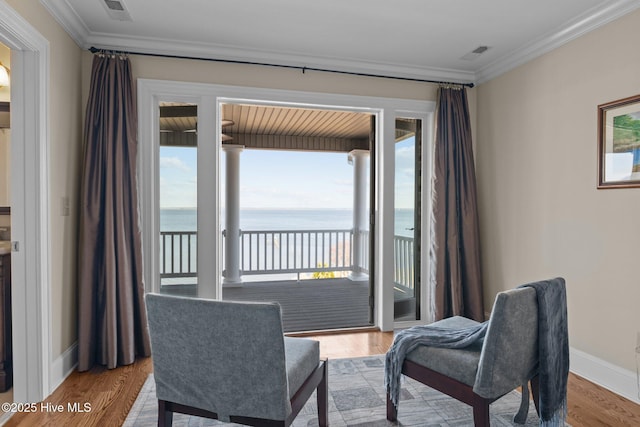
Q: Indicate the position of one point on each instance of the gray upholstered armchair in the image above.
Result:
(483, 372)
(230, 361)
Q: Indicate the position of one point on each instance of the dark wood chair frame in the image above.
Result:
(456, 389)
(317, 380)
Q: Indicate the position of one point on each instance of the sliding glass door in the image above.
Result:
(183, 171)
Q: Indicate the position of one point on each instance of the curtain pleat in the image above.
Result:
(112, 327)
(458, 289)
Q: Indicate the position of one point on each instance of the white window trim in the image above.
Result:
(208, 96)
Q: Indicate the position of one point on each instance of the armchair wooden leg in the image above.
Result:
(481, 414)
(165, 417)
(323, 397)
(535, 392)
(392, 411)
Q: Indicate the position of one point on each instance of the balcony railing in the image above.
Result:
(287, 251)
(404, 258)
(295, 251)
(178, 251)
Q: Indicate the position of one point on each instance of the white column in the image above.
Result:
(358, 158)
(231, 271)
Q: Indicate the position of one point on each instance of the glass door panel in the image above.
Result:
(407, 219)
(178, 198)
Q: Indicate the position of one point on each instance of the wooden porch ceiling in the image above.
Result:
(270, 127)
(277, 128)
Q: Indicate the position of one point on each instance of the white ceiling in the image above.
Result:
(423, 39)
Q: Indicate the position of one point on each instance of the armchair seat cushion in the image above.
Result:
(460, 364)
(302, 356)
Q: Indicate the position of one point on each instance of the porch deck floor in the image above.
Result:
(310, 305)
(307, 305)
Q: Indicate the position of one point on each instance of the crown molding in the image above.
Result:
(581, 25)
(68, 19)
(598, 16)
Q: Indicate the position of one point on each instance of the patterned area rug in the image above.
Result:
(357, 399)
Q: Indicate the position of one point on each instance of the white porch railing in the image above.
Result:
(178, 251)
(286, 251)
(295, 251)
(404, 272)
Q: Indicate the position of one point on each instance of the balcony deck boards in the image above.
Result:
(307, 305)
(310, 305)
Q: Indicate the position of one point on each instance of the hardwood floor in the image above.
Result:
(111, 393)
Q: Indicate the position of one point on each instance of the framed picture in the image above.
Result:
(619, 143)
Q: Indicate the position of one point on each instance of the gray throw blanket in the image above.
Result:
(553, 349)
(429, 335)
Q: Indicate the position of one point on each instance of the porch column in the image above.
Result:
(359, 158)
(231, 272)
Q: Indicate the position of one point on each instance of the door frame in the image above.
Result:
(208, 97)
(30, 265)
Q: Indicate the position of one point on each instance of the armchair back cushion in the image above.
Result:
(221, 356)
(509, 355)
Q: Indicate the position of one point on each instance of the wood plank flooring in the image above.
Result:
(112, 392)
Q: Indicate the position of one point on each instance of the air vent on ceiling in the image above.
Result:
(117, 10)
(475, 53)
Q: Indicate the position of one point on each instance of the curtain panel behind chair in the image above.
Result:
(457, 290)
(112, 328)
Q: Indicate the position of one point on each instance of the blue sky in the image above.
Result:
(283, 179)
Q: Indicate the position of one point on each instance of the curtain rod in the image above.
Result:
(93, 49)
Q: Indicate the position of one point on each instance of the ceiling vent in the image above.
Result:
(117, 10)
(475, 53)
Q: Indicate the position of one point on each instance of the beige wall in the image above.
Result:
(541, 214)
(65, 151)
(5, 58)
(5, 134)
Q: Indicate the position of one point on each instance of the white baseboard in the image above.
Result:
(5, 417)
(614, 378)
(63, 366)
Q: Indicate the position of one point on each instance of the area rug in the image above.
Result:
(357, 399)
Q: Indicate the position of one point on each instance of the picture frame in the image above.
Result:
(619, 143)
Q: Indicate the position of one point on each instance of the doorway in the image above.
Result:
(294, 191)
(6, 356)
(29, 206)
(210, 159)
(295, 212)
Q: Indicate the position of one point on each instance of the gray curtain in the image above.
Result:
(112, 328)
(457, 290)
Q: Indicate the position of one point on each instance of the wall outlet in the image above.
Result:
(64, 206)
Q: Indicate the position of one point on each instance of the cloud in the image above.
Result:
(174, 163)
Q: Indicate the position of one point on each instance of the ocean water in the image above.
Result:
(184, 219)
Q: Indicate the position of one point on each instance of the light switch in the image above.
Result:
(64, 206)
